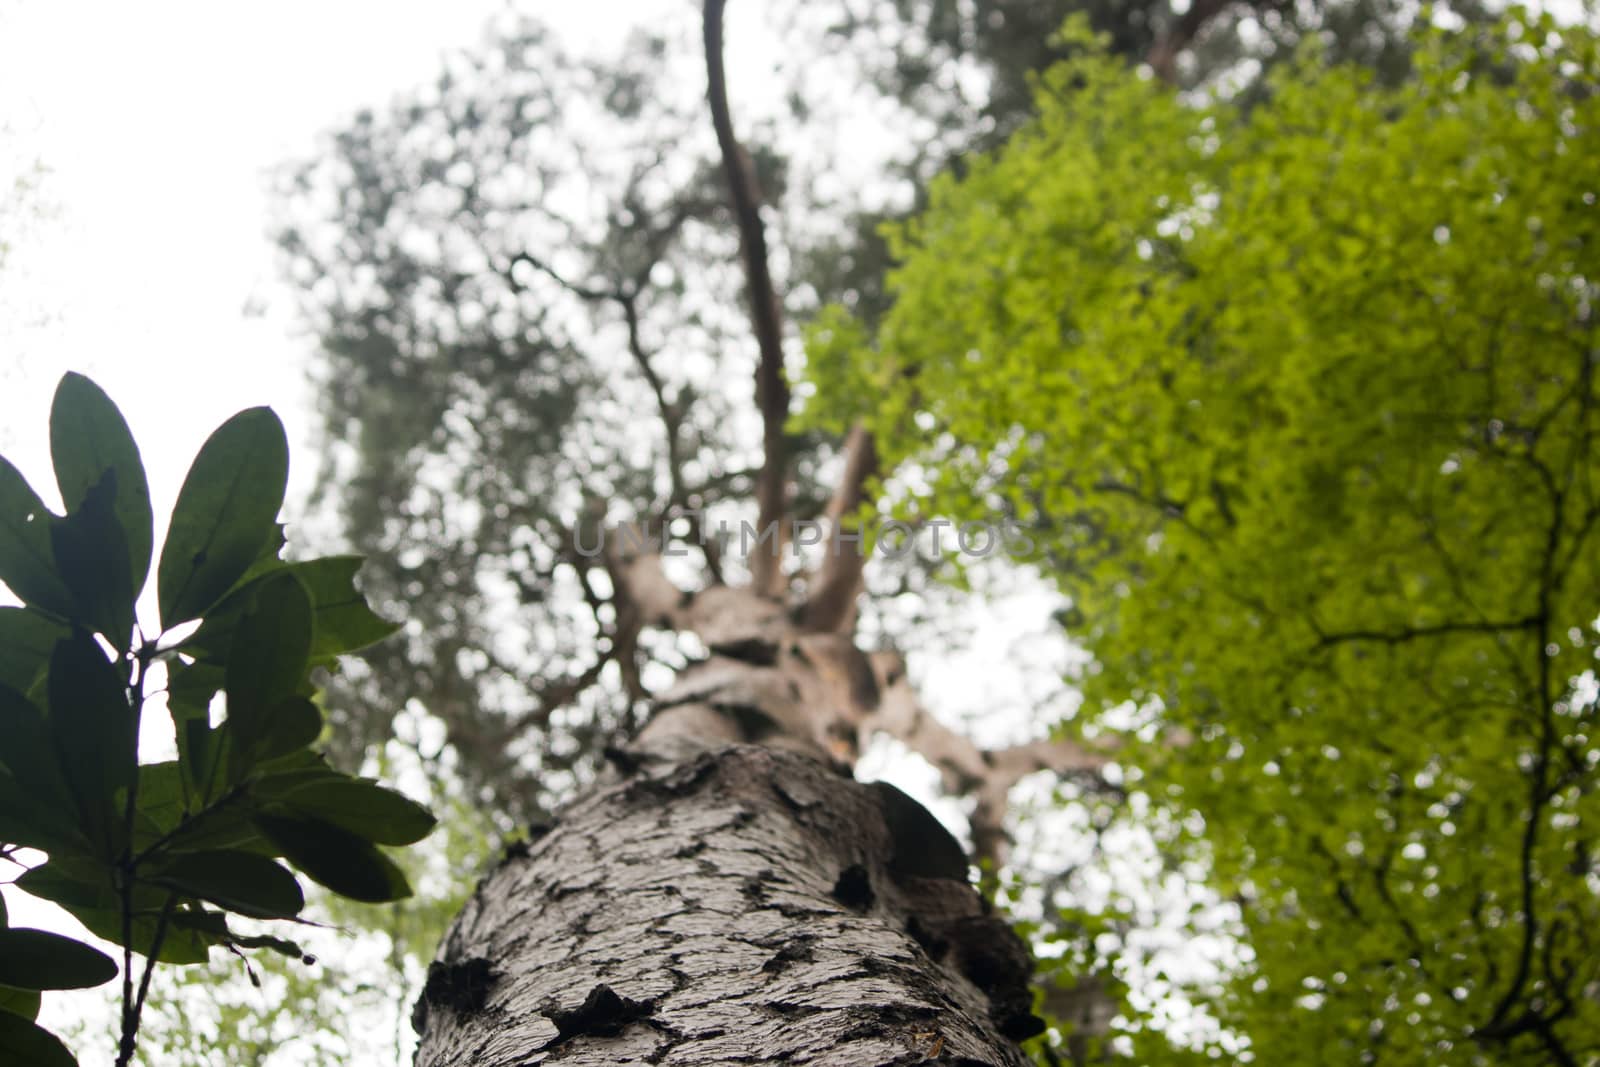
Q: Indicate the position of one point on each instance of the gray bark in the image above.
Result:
(738, 904)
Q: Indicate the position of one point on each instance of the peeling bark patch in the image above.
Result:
(461, 986)
(854, 888)
(603, 1013)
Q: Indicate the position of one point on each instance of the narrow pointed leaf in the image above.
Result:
(225, 514)
(88, 437)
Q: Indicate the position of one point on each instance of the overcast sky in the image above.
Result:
(156, 125)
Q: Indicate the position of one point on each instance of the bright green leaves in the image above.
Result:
(225, 514)
(158, 855)
(1300, 400)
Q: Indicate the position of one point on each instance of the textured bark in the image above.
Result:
(739, 905)
(728, 894)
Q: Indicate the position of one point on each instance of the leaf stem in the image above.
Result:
(127, 868)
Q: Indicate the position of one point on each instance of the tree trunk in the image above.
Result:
(736, 904)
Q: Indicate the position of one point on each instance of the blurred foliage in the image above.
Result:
(1300, 401)
(526, 291)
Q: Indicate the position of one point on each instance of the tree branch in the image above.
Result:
(830, 605)
(772, 388)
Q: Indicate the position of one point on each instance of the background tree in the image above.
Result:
(526, 284)
(1301, 402)
(506, 270)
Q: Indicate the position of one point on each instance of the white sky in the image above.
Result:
(156, 124)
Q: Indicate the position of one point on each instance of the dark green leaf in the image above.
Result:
(338, 859)
(182, 944)
(291, 724)
(363, 807)
(196, 750)
(342, 621)
(91, 553)
(225, 514)
(38, 959)
(88, 437)
(75, 885)
(27, 562)
(26, 639)
(26, 749)
(162, 802)
(266, 664)
(94, 730)
(23, 1002)
(24, 1043)
(225, 825)
(240, 881)
(26, 820)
